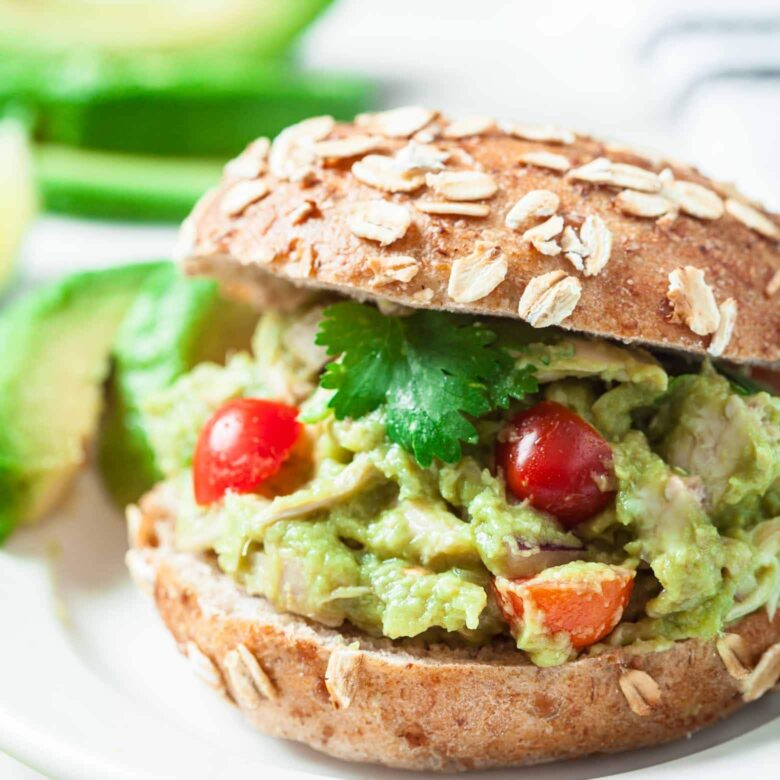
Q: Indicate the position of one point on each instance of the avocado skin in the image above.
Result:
(174, 323)
(55, 344)
(108, 185)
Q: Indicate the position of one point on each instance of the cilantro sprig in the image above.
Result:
(432, 370)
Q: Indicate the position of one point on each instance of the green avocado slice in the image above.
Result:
(55, 345)
(121, 186)
(179, 105)
(174, 323)
(187, 107)
(18, 198)
(266, 27)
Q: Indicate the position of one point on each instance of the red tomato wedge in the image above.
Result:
(558, 462)
(586, 607)
(245, 442)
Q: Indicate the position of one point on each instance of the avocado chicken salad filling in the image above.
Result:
(426, 474)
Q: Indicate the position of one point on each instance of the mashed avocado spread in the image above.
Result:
(354, 528)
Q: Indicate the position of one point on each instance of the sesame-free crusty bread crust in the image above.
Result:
(429, 708)
(300, 230)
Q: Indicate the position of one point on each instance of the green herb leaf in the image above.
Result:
(431, 370)
(512, 383)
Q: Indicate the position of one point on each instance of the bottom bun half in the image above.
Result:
(416, 706)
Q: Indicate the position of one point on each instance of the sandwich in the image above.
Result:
(499, 481)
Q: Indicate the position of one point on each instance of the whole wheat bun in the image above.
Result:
(298, 214)
(438, 708)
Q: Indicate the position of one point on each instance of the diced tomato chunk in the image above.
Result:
(586, 608)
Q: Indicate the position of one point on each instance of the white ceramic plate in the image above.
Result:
(92, 687)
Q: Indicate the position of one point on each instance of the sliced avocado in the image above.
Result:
(174, 323)
(55, 345)
(180, 105)
(263, 26)
(18, 198)
(121, 186)
(188, 107)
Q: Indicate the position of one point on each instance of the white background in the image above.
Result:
(653, 72)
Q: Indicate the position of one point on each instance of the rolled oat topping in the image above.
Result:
(416, 158)
(549, 299)
(694, 200)
(382, 173)
(641, 691)
(452, 207)
(387, 269)
(476, 124)
(343, 676)
(462, 185)
(397, 122)
(722, 336)
(242, 195)
(427, 135)
(551, 160)
(574, 248)
(249, 682)
(252, 162)
(773, 285)
(475, 276)
(352, 146)
(611, 174)
(550, 248)
(187, 238)
(533, 205)
(643, 204)
(733, 652)
(423, 297)
(540, 236)
(752, 218)
(380, 220)
(693, 300)
(765, 676)
(542, 133)
(652, 156)
(302, 259)
(597, 240)
(204, 667)
(302, 212)
(291, 156)
(143, 570)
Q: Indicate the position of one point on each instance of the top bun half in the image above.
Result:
(510, 220)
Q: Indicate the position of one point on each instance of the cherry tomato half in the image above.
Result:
(557, 461)
(245, 442)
